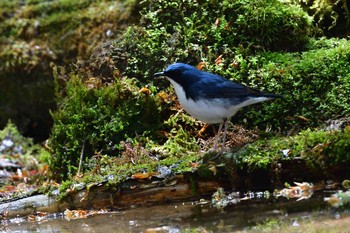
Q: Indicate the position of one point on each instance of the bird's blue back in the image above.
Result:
(200, 84)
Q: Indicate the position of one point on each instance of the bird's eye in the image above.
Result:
(172, 72)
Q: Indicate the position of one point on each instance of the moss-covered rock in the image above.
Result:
(117, 122)
(114, 114)
(314, 84)
(35, 33)
(196, 31)
(310, 155)
(97, 119)
(221, 38)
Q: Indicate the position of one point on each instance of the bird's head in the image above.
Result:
(177, 71)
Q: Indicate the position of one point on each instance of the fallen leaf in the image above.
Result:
(212, 168)
(146, 175)
(217, 21)
(145, 90)
(10, 188)
(165, 97)
(218, 60)
(303, 118)
(201, 131)
(201, 65)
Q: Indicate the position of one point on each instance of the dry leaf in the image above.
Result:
(201, 65)
(146, 175)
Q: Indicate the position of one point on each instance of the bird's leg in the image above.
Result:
(217, 136)
(225, 133)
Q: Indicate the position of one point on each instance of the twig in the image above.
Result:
(81, 156)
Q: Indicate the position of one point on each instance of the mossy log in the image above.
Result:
(183, 187)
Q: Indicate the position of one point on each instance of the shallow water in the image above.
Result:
(256, 214)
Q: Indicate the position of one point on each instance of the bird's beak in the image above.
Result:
(158, 74)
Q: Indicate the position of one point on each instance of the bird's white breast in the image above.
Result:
(210, 111)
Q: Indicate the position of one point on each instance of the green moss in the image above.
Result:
(194, 31)
(23, 147)
(318, 148)
(204, 172)
(98, 119)
(33, 34)
(180, 143)
(315, 84)
(267, 226)
(112, 173)
(11, 132)
(31, 158)
(194, 230)
(313, 80)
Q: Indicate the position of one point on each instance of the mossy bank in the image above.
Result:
(113, 119)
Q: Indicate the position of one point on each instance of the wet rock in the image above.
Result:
(337, 124)
(28, 206)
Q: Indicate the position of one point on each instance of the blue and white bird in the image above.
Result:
(210, 98)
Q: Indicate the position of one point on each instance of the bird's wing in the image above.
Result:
(214, 86)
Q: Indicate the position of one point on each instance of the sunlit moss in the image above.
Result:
(313, 80)
(98, 119)
(318, 148)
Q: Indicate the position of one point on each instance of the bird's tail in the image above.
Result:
(257, 93)
(269, 95)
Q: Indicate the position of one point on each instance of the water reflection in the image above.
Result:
(257, 208)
